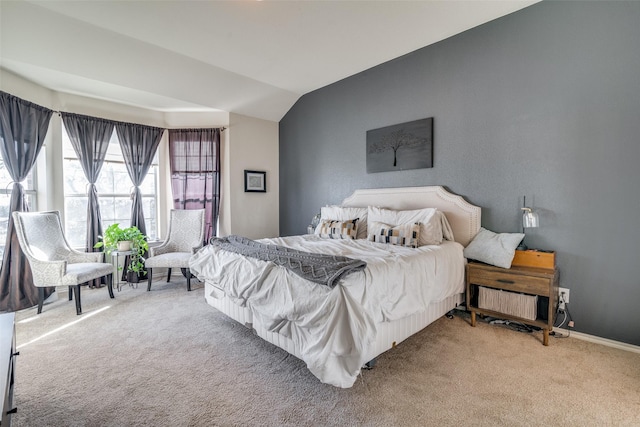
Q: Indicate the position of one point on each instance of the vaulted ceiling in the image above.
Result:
(249, 57)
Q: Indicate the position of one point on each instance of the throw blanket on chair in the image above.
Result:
(318, 268)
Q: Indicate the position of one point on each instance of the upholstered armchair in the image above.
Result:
(53, 262)
(185, 237)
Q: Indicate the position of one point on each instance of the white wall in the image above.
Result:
(254, 145)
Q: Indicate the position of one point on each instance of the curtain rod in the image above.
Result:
(59, 113)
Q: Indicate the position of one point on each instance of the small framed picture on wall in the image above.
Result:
(255, 182)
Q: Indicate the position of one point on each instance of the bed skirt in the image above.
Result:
(216, 298)
(389, 334)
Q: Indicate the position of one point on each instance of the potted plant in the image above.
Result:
(114, 235)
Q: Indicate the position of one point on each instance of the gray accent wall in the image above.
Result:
(542, 103)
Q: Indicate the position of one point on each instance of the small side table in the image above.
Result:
(526, 280)
(115, 256)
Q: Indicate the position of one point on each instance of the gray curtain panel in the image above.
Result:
(194, 156)
(90, 140)
(23, 127)
(139, 144)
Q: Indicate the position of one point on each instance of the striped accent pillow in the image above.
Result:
(341, 213)
(431, 223)
(334, 229)
(401, 235)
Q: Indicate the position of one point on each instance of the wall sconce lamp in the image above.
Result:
(529, 220)
(314, 223)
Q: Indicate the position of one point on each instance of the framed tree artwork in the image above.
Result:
(255, 181)
(399, 147)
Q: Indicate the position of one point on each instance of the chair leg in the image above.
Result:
(109, 280)
(168, 274)
(40, 299)
(70, 293)
(187, 274)
(78, 306)
(149, 276)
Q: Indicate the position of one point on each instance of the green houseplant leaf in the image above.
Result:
(139, 246)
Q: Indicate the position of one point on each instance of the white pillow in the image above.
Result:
(430, 220)
(340, 213)
(447, 231)
(493, 248)
(401, 235)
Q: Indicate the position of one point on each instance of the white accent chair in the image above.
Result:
(53, 262)
(185, 237)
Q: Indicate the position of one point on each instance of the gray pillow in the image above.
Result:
(493, 248)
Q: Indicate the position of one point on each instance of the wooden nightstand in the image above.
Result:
(531, 281)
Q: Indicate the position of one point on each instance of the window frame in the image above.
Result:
(69, 154)
(31, 197)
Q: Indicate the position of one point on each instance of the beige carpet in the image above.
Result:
(166, 358)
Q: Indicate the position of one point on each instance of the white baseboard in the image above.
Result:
(599, 340)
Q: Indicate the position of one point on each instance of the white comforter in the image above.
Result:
(333, 328)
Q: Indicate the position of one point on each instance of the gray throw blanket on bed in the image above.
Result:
(319, 268)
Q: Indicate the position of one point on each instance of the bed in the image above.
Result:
(338, 330)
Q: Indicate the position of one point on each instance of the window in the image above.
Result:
(194, 156)
(114, 193)
(5, 198)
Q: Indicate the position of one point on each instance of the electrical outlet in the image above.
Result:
(563, 297)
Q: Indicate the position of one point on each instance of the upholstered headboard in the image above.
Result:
(463, 217)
